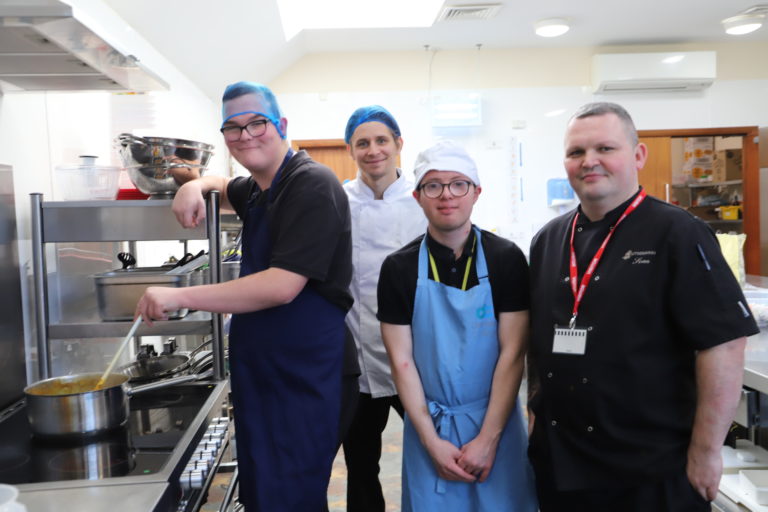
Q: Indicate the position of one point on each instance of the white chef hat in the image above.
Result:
(445, 155)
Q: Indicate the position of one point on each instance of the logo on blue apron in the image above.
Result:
(481, 311)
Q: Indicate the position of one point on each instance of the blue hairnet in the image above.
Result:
(264, 96)
(368, 114)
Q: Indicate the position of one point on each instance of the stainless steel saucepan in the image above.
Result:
(72, 406)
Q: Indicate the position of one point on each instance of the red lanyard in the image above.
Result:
(578, 295)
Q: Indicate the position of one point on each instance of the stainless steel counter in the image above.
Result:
(756, 371)
(115, 498)
(156, 492)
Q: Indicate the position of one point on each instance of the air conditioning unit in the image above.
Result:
(653, 72)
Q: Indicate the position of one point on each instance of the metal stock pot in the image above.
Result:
(159, 165)
(72, 406)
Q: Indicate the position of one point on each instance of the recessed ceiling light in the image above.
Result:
(555, 113)
(743, 24)
(746, 21)
(551, 27)
(674, 59)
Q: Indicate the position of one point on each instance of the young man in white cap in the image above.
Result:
(453, 306)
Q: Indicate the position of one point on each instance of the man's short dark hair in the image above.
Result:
(602, 108)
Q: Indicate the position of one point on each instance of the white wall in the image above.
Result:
(513, 202)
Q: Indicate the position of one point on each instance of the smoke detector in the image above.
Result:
(469, 12)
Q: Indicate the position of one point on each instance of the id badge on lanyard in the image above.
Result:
(571, 339)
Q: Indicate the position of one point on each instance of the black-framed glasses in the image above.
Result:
(254, 128)
(434, 189)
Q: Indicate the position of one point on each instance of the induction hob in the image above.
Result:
(149, 452)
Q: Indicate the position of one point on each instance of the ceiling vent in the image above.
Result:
(469, 12)
(653, 72)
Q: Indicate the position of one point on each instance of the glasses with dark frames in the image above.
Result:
(254, 128)
(434, 189)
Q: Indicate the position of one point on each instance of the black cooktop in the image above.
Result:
(157, 421)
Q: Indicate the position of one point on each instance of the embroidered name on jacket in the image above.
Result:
(638, 257)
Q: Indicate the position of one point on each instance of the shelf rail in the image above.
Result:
(87, 221)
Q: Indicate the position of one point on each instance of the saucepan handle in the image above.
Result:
(132, 390)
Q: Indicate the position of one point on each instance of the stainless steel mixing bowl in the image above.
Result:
(158, 166)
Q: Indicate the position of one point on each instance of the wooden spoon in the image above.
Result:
(100, 383)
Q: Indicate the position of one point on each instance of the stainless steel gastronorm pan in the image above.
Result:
(118, 291)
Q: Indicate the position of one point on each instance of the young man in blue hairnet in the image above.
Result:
(287, 333)
(384, 218)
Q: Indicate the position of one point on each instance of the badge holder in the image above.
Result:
(570, 340)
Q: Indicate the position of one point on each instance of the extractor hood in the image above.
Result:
(43, 47)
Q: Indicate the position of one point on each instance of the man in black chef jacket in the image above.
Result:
(637, 340)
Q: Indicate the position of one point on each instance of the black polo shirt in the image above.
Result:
(507, 275)
(309, 225)
(623, 412)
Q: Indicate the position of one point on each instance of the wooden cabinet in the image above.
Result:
(656, 178)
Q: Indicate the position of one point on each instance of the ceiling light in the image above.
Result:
(743, 24)
(674, 59)
(746, 21)
(551, 27)
(555, 113)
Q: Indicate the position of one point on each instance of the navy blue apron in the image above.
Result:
(285, 365)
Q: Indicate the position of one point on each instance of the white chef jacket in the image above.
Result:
(379, 228)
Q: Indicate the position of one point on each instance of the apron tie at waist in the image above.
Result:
(441, 418)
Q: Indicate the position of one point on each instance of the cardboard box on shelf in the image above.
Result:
(730, 142)
(726, 165)
(697, 157)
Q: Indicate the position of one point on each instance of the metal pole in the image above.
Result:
(213, 222)
(41, 292)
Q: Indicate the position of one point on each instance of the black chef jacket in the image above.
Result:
(623, 412)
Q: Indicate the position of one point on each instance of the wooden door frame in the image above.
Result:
(750, 180)
(317, 143)
(323, 143)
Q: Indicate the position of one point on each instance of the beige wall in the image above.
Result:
(494, 68)
(488, 68)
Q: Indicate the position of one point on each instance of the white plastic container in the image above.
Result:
(8, 496)
(86, 181)
(754, 482)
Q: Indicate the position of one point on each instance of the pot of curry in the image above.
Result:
(72, 406)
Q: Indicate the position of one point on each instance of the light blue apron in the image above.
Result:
(455, 348)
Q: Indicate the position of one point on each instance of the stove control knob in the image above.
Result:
(198, 465)
(202, 464)
(205, 446)
(211, 439)
(192, 479)
(216, 429)
(205, 455)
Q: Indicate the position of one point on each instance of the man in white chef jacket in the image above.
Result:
(385, 217)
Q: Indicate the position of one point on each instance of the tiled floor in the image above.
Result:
(391, 457)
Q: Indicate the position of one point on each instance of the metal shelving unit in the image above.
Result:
(118, 221)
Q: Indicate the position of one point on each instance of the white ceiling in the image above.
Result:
(215, 43)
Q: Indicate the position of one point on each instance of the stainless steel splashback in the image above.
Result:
(12, 364)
